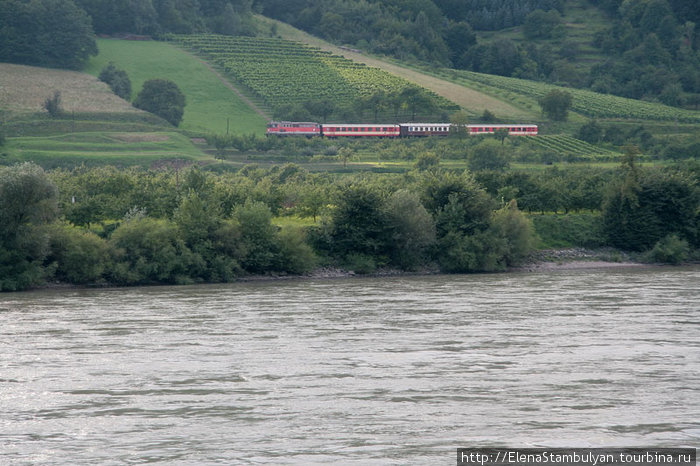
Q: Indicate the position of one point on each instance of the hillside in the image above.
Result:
(95, 128)
(23, 90)
(212, 104)
(472, 101)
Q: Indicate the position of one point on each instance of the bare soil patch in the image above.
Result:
(141, 137)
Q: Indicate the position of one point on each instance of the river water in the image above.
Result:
(351, 371)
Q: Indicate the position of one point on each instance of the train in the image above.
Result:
(401, 130)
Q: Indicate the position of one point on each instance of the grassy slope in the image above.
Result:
(96, 128)
(103, 148)
(209, 100)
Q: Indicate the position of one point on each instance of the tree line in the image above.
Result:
(61, 33)
(128, 227)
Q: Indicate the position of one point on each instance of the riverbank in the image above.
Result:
(550, 260)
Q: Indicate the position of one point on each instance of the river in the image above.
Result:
(351, 371)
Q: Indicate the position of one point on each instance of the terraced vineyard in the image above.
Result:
(284, 72)
(568, 146)
(589, 103)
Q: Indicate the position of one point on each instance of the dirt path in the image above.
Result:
(469, 99)
(228, 84)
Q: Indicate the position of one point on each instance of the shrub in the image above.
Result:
(669, 250)
(117, 80)
(163, 98)
(53, 104)
(80, 256)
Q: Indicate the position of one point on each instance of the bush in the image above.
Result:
(53, 104)
(147, 251)
(163, 98)
(80, 256)
(669, 250)
(117, 80)
(296, 256)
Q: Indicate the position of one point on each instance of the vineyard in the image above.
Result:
(282, 72)
(568, 146)
(588, 103)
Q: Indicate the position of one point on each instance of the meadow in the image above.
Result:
(212, 105)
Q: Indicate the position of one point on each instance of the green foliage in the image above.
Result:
(570, 230)
(411, 229)
(148, 250)
(301, 82)
(50, 33)
(642, 207)
(488, 155)
(117, 80)
(358, 222)
(53, 104)
(543, 25)
(163, 98)
(590, 132)
(296, 255)
(258, 237)
(586, 102)
(669, 250)
(555, 105)
(27, 202)
(517, 231)
(80, 256)
(158, 16)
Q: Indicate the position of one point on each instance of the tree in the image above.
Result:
(590, 132)
(555, 105)
(52, 33)
(28, 201)
(543, 25)
(411, 229)
(53, 104)
(458, 124)
(488, 155)
(163, 98)
(117, 80)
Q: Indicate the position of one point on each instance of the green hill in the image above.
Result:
(212, 104)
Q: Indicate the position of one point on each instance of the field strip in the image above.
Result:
(467, 98)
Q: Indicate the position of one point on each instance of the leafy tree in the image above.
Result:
(488, 155)
(258, 238)
(79, 256)
(411, 229)
(117, 80)
(543, 25)
(163, 98)
(358, 222)
(147, 250)
(458, 125)
(51, 33)
(556, 104)
(28, 201)
(53, 104)
(517, 230)
(590, 132)
(643, 207)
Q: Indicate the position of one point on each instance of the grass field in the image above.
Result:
(210, 102)
(102, 148)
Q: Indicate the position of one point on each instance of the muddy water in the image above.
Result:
(350, 371)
